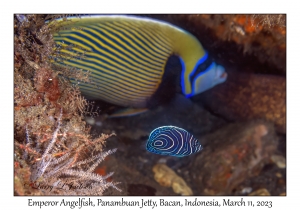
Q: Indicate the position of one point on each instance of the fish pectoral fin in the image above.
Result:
(128, 112)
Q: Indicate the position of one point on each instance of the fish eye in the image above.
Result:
(202, 67)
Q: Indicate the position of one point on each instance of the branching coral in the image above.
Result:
(54, 152)
(65, 168)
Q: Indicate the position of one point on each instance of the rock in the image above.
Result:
(247, 97)
(246, 190)
(260, 192)
(140, 190)
(166, 177)
(232, 155)
(279, 161)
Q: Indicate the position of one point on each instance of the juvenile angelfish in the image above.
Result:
(173, 141)
(127, 59)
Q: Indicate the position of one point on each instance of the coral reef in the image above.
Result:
(256, 33)
(54, 151)
(234, 153)
(56, 154)
(67, 171)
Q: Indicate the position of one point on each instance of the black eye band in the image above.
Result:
(201, 68)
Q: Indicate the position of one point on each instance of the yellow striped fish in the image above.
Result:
(127, 58)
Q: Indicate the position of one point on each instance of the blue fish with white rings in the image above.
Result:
(172, 141)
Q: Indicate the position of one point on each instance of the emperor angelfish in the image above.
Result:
(174, 141)
(126, 57)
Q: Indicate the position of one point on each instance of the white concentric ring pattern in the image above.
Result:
(174, 141)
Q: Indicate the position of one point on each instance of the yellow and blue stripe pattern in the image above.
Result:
(126, 56)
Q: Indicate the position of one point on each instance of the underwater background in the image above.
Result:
(240, 123)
